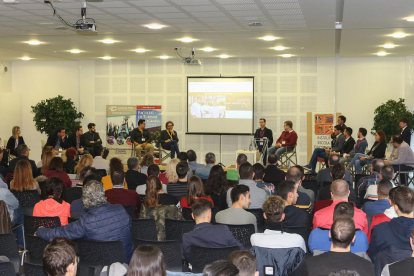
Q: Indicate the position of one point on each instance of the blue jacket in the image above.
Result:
(284, 260)
(372, 208)
(395, 233)
(103, 223)
(9, 199)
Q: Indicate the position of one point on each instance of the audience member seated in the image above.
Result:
(76, 207)
(76, 141)
(118, 195)
(245, 262)
(273, 212)
(23, 178)
(99, 162)
(319, 239)
(403, 160)
(339, 257)
(325, 175)
(204, 233)
(102, 222)
(15, 213)
(56, 170)
(155, 171)
(359, 147)
(306, 197)
(220, 268)
(70, 164)
(59, 258)
(349, 142)
(23, 152)
(85, 161)
(147, 160)
(337, 145)
(92, 140)
(169, 139)
(377, 151)
(154, 208)
(372, 208)
(372, 179)
(272, 173)
(337, 172)
(192, 161)
(179, 188)
(53, 206)
(233, 174)
(395, 233)
(257, 195)
(133, 176)
(294, 216)
(163, 197)
(15, 140)
(236, 215)
(216, 187)
(195, 192)
(4, 161)
(58, 140)
(387, 174)
(404, 267)
(48, 153)
(115, 165)
(147, 260)
(286, 141)
(170, 174)
(259, 170)
(204, 171)
(340, 193)
(182, 156)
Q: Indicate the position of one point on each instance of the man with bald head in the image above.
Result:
(339, 193)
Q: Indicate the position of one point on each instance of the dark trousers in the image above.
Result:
(318, 152)
(173, 147)
(17, 223)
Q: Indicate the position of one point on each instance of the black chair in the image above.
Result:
(27, 199)
(258, 213)
(303, 231)
(187, 213)
(170, 249)
(33, 269)
(242, 233)
(7, 269)
(32, 223)
(174, 229)
(70, 219)
(34, 247)
(71, 194)
(201, 256)
(94, 255)
(8, 248)
(144, 229)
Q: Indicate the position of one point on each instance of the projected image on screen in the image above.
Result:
(220, 105)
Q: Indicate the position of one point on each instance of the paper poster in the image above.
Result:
(121, 120)
(153, 119)
(323, 124)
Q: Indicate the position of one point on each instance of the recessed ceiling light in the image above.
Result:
(269, 38)
(279, 48)
(155, 26)
(381, 53)
(286, 55)
(106, 57)
(224, 56)
(399, 35)
(389, 46)
(208, 49)
(26, 58)
(164, 57)
(140, 50)
(34, 42)
(108, 41)
(409, 18)
(75, 51)
(187, 39)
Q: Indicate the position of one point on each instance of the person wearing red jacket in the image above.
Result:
(286, 141)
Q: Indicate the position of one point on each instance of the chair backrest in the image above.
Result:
(174, 229)
(187, 213)
(8, 246)
(71, 194)
(144, 229)
(258, 213)
(33, 269)
(35, 247)
(242, 233)
(32, 223)
(284, 260)
(201, 256)
(7, 269)
(5, 222)
(101, 172)
(100, 253)
(27, 199)
(170, 249)
(279, 226)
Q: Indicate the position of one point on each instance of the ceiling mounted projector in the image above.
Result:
(189, 60)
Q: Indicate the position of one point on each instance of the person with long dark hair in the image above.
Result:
(147, 260)
(195, 192)
(216, 187)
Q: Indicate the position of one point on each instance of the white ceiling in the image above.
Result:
(305, 26)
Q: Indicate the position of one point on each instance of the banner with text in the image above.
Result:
(121, 120)
(320, 127)
(153, 119)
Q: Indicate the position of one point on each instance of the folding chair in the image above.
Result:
(288, 157)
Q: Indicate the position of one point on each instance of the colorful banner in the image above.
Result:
(320, 128)
(121, 120)
(153, 119)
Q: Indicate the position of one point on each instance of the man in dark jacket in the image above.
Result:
(92, 140)
(405, 130)
(58, 139)
(75, 140)
(272, 173)
(263, 133)
(101, 221)
(133, 176)
(396, 233)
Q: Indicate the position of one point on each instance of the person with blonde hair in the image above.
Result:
(15, 140)
(23, 178)
(170, 174)
(146, 161)
(85, 161)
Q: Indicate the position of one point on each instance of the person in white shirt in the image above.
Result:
(99, 162)
(273, 210)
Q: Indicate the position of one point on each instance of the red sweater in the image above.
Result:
(61, 175)
(184, 201)
(288, 139)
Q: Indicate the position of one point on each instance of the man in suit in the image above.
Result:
(92, 140)
(272, 173)
(206, 234)
(405, 130)
(349, 141)
(261, 133)
(58, 140)
(141, 139)
(75, 140)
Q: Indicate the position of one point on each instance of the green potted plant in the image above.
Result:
(56, 112)
(388, 115)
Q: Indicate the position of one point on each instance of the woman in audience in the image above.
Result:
(47, 155)
(377, 151)
(195, 192)
(115, 165)
(70, 164)
(85, 161)
(23, 178)
(15, 140)
(147, 260)
(216, 187)
(56, 170)
(170, 174)
(147, 160)
(153, 207)
(53, 206)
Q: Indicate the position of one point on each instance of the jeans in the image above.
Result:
(358, 163)
(318, 152)
(173, 147)
(18, 219)
(277, 151)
